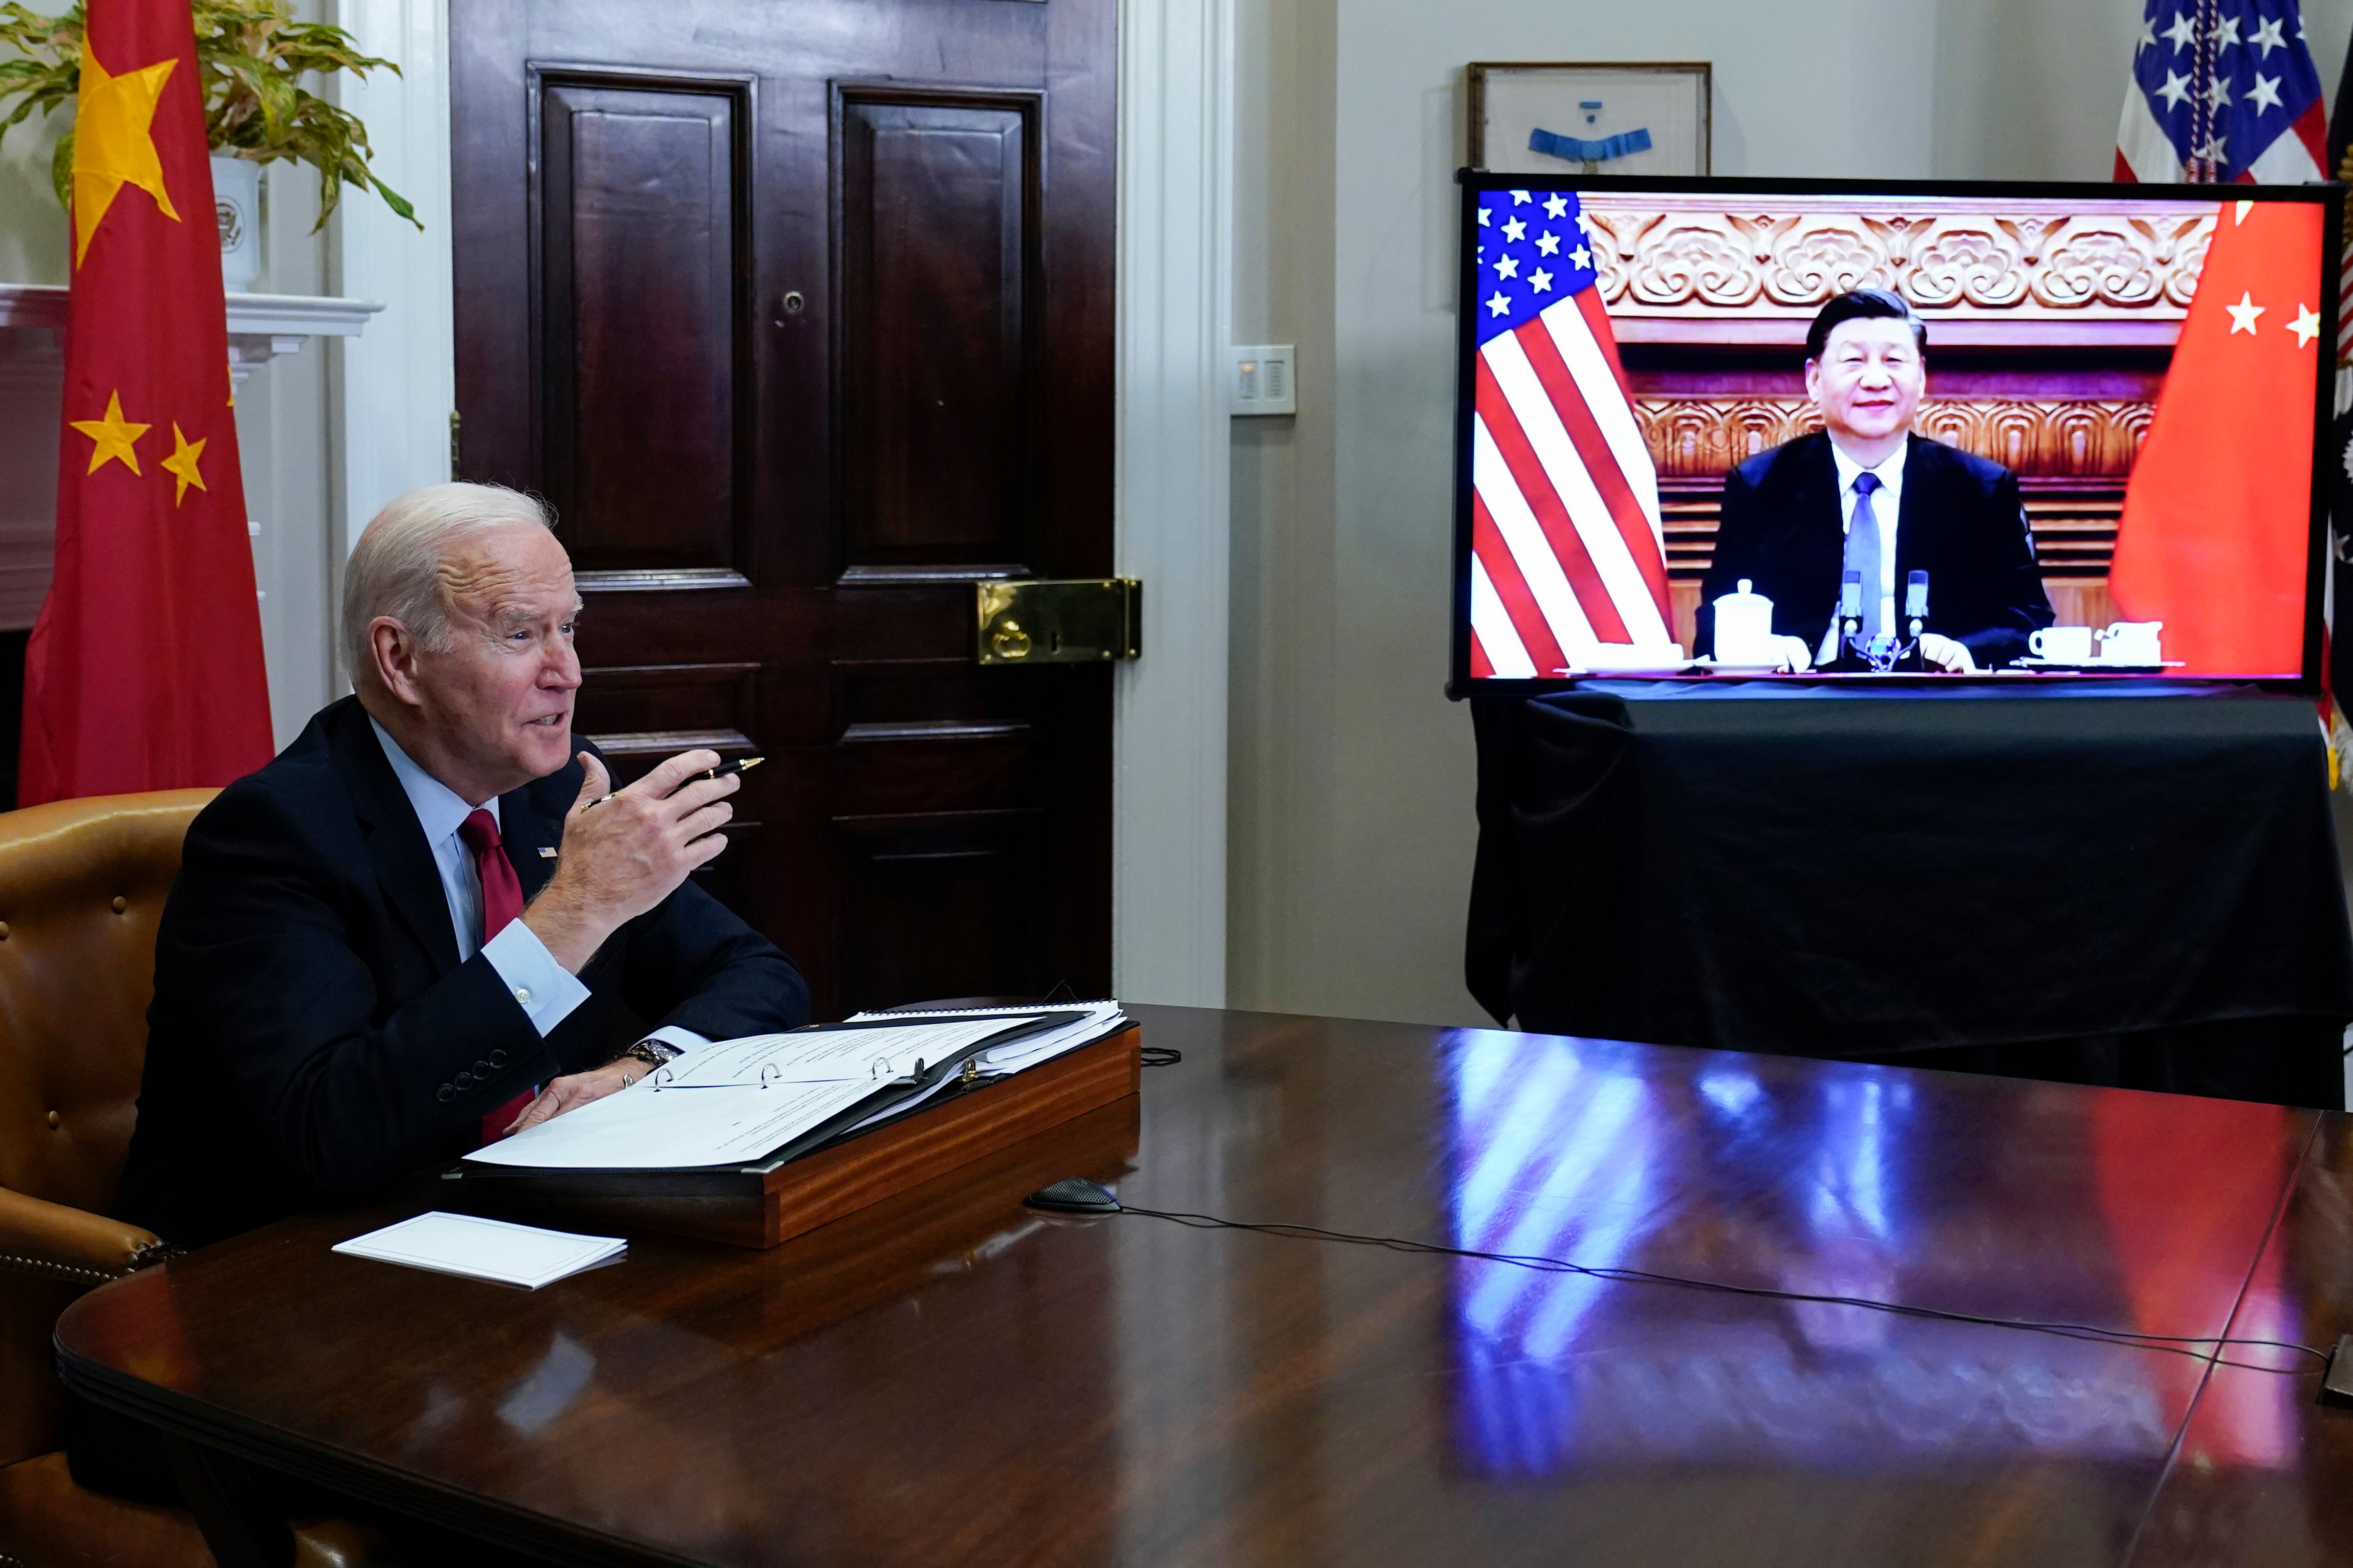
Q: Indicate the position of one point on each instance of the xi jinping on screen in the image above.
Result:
(1866, 494)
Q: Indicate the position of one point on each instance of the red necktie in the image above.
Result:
(502, 902)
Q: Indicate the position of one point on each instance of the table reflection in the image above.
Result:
(1837, 1183)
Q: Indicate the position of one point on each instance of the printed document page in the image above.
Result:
(1100, 1018)
(735, 1100)
(832, 1056)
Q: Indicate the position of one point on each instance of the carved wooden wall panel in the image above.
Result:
(2074, 438)
(2013, 266)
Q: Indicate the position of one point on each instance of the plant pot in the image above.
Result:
(236, 204)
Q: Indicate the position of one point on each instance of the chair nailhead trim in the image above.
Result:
(61, 1270)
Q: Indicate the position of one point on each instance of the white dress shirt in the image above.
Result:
(546, 991)
(1886, 505)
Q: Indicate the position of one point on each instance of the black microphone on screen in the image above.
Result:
(1847, 654)
(1916, 621)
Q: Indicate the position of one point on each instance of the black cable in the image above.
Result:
(2177, 1343)
(1162, 1055)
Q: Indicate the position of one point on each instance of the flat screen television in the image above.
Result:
(1844, 429)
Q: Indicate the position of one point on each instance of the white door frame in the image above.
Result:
(396, 389)
(1176, 444)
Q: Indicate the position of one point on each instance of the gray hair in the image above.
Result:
(396, 568)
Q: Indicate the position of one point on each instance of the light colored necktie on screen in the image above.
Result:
(1862, 552)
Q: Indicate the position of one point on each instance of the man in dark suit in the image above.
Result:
(1790, 524)
(410, 933)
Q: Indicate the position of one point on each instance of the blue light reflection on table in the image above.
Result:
(1558, 1148)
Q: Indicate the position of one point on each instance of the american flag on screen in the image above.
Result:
(1565, 546)
(2225, 91)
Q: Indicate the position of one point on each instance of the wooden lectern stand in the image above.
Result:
(762, 1206)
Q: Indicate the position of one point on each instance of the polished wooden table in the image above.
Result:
(949, 1378)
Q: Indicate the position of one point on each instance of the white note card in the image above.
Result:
(481, 1249)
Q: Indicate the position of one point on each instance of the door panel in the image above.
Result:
(893, 695)
(937, 256)
(800, 313)
(671, 708)
(639, 317)
(936, 902)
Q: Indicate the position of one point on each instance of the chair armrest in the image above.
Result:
(70, 1243)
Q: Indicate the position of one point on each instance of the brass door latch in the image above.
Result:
(1075, 622)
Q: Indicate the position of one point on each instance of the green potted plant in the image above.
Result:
(251, 58)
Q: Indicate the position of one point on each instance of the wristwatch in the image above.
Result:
(653, 1053)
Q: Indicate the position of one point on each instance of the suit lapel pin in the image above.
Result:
(546, 854)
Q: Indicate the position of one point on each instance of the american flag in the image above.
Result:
(1567, 550)
(2225, 91)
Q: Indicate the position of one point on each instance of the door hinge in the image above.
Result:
(1078, 621)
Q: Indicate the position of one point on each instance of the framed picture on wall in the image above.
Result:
(1568, 118)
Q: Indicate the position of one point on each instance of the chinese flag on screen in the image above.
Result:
(145, 671)
(2218, 512)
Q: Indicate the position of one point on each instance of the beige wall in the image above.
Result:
(1351, 774)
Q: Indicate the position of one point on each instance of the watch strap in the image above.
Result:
(653, 1053)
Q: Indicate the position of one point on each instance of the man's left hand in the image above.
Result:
(576, 1089)
(1945, 654)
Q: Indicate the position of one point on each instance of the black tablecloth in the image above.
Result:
(1828, 873)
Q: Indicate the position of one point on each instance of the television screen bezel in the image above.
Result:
(2329, 198)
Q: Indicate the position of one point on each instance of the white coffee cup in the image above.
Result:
(2132, 642)
(2063, 644)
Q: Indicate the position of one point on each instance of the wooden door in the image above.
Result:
(799, 311)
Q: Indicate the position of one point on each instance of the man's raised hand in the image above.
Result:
(629, 853)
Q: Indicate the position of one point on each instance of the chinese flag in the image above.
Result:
(2218, 514)
(145, 671)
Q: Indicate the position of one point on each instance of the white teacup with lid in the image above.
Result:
(1744, 628)
(2132, 642)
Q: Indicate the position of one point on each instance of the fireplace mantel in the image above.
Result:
(260, 326)
(32, 382)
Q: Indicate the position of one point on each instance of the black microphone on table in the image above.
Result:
(1909, 656)
(1847, 652)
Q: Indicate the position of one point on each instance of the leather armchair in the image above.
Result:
(82, 885)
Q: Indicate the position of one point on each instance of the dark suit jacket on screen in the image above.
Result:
(313, 1037)
(1961, 522)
